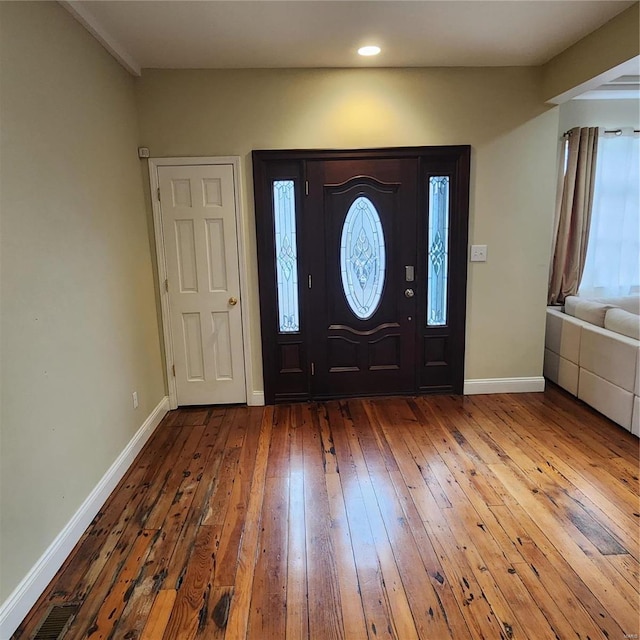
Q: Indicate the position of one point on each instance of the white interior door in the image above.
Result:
(199, 227)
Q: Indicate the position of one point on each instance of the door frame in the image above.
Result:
(460, 158)
(252, 397)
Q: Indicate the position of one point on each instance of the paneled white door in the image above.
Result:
(199, 228)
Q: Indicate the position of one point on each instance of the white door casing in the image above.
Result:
(202, 306)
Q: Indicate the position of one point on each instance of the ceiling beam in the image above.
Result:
(80, 12)
(600, 81)
(599, 57)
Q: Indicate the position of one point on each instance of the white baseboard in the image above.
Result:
(14, 609)
(256, 399)
(503, 385)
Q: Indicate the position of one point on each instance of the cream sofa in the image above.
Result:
(592, 349)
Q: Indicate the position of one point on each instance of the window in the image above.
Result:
(284, 208)
(612, 266)
(438, 255)
(362, 258)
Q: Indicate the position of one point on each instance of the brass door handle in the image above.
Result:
(233, 301)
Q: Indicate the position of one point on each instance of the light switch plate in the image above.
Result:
(478, 253)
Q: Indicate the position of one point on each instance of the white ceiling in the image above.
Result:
(326, 33)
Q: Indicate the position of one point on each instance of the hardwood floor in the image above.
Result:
(506, 516)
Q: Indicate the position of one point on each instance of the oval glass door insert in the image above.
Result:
(362, 258)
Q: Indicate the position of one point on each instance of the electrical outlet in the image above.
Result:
(478, 253)
(135, 399)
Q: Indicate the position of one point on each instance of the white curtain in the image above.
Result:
(612, 266)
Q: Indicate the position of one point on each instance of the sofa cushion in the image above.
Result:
(628, 303)
(587, 310)
(623, 322)
(570, 303)
(609, 355)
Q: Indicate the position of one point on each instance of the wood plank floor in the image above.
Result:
(505, 516)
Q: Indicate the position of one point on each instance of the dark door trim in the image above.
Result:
(286, 366)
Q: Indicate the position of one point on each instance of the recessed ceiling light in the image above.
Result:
(371, 50)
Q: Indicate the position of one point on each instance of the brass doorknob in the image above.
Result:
(233, 301)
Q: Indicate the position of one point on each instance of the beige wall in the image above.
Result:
(497, 111)
(611, 114)
(78, 323)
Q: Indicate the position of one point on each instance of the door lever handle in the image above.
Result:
(409, 293)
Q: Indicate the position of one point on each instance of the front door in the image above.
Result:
(362, 219)
(362, 261)
(198, 210)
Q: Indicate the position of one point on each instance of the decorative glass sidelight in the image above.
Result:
(362, 258)
(284, 209)
(438, 253)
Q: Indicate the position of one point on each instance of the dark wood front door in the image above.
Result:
(361, 325)
(362, 263)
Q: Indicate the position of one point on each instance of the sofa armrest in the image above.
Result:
(561, 371)
(562, 335)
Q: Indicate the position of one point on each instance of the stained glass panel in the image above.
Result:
(284, 209)
(362, 258)
(438, 252)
